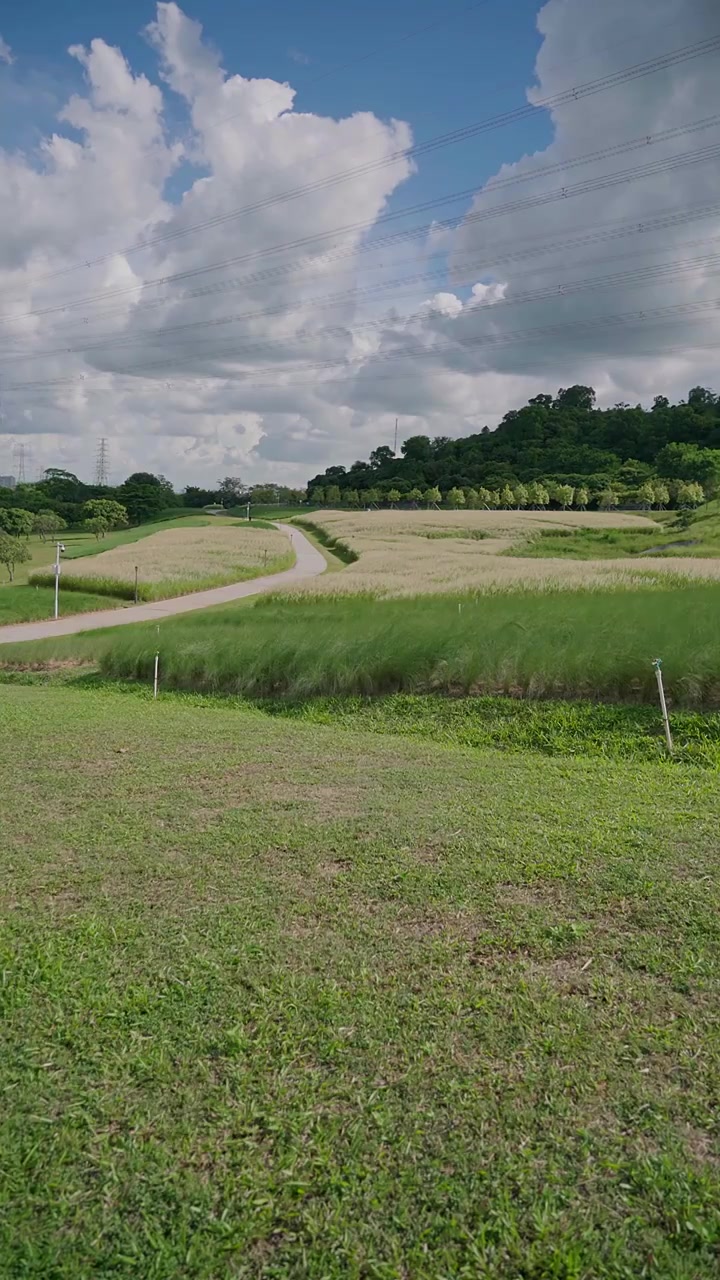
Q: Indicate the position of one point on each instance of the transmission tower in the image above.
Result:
(20, 455)
(101, 463)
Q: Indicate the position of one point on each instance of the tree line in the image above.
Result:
(560, 451)
(143, 496)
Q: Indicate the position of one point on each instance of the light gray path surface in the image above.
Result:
(308, 564)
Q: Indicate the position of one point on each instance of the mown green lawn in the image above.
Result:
(286, 1000)
(36, 604)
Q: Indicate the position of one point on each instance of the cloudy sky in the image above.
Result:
(244, 241)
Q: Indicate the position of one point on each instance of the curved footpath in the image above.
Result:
(308, 564)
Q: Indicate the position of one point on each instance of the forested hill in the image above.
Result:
(562, 440)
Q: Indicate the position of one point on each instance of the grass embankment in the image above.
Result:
(36, 604)
(20, 603)
(176, 562)
(281, 1000)
(511, 724)
(695, 534)
(597, 644)
(328, 541)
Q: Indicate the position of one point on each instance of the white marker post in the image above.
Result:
(59, 548)
(155, 681)
(663, 704)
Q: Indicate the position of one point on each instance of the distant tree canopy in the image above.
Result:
(580, 454)
(61, 499)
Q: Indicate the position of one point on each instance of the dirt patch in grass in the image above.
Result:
(323, 799)
(704, 1147)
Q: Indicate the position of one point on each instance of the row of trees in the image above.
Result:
(16, 525)
(142, 496)
(100, 515)
(537, 495)
(561, 440)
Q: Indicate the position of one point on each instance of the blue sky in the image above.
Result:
(273, 373)
(476, 61)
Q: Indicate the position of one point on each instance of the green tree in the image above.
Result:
(484, 498)
(113, 513)
(317, 495)
(351, 498)
(230, 491)
(608, 499)
(661, 494)
(564, 494)
(98, 526)
(332, 496)
(16, 521)
(394, 496)
(507, 498)
(415, 495)
(582, 497)
(370, 497)
(144, 496)
(47, 523)
(432, 496)
(689, 462)
(471, 499)
(577, 397)
(646, 494)
(13, 551)
(521, 496)
(688, 494)
(455, 498)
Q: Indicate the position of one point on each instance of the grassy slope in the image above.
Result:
(698, 534)
(82, 595)
(552, 643)
(282, 1001)
(35, 604)
(78, 543)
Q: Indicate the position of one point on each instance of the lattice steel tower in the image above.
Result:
(101, 462)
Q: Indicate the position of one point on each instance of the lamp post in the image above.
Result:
(59, 548)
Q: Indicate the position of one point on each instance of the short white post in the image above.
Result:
(155, 681)
(663, 704)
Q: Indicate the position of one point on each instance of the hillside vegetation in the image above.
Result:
(562, 448)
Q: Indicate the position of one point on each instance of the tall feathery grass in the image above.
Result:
(553, 643)
(405, 553)
(178, 562)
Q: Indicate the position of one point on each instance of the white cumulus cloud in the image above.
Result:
(201, 294)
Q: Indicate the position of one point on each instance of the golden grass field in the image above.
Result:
(187, 556)
(397, 557)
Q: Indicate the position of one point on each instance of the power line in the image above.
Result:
(574, 328)
(655, 273)
(504, 253)
(568, 96)
(588, 186)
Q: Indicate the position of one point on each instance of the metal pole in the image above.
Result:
(663, 704)
(155, 682)
(136, 584)
(57, 579)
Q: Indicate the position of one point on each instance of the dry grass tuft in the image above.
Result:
(185, 555)
(398, 558)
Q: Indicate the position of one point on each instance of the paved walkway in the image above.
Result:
(308, 564)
